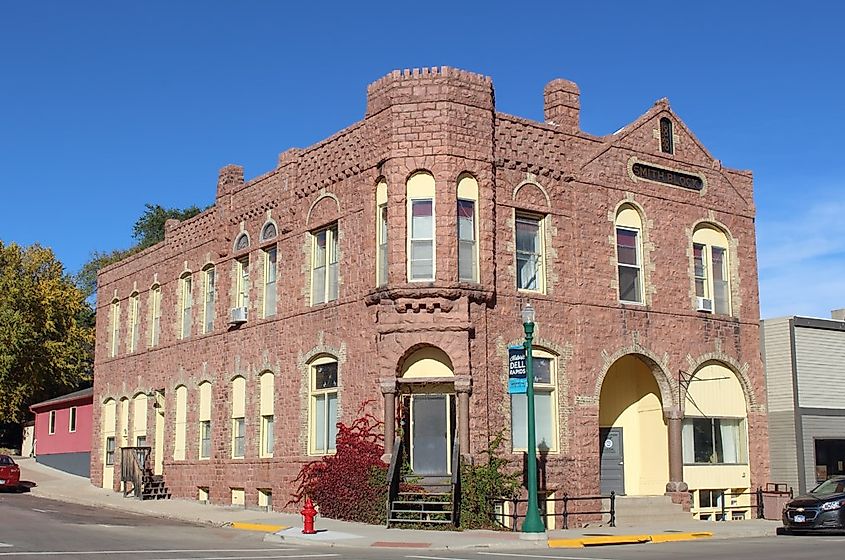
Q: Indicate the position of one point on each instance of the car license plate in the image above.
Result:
(800, 519)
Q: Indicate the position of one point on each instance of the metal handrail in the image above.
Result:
(566, 513)
(394, 474)
(456, 481)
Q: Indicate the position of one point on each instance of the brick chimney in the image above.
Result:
(562, 105)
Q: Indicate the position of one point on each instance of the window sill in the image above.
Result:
(716, 464)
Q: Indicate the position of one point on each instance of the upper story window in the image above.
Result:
(155, 314)
(242, 242)
(421, 228)
(322, 415)
(269, 281)
(710, 270)
(242, 282)
(268, 232)
(134, 321)
(71, 426)
(381, 233)
(209, 295)
(629, 254)
(545, 406)
(114, 320)
(467, 229)
(187, 299)
(530, 260)
(51, 428)
(324, 273)
(667, 142)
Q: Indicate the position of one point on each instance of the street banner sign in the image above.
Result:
(517, 379)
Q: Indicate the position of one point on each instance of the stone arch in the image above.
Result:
(322, 210)
(532, 196)
(659, 369)
(242, 242)
(739, 370)
(424, 352)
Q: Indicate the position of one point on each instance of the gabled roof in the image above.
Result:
(84, 394)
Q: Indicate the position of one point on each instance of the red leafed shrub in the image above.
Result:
(351, 484)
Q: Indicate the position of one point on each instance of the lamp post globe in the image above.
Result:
(533, 522)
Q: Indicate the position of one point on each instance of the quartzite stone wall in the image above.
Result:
(442, 121)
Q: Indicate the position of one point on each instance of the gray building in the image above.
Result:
(805, 380)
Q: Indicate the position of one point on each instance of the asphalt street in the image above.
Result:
(33, 528)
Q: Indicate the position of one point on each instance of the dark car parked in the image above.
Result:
(823, 509)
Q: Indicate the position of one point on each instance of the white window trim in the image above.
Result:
(476, 265)
(266, 287)
(332, 252)
(235, 421)
(541, 232)
(155, 315)
(242, 281)
(709, 280)
(552, 388)
(312, 395)
(51, 423)
(638, 267)
(209, 296)
(115, 327)
(72, 419)
(410, 239)
(186, 301)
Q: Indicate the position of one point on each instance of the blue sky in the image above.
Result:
(105, 106)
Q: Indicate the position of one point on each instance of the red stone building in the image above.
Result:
(389, 264)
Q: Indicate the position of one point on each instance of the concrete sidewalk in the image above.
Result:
(285, 527)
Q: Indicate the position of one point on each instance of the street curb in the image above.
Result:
(258, 527)
(627, 539)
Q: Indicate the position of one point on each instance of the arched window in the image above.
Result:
(467, 228)
(109, 444)
(238, 417)
(268, 231)
(711, 270)
(266, 410)
(422, 250)
(155, 314)
(205, 420)
(242, 242)
(667, 143)
(209, 295)
(381, 233)
(545, 406)
(139, 420)
(114, 320)
(181, 423)
(187, 300)
(134, 321)
(629, 254)
(322, 413)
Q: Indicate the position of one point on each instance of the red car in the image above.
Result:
(10, 473)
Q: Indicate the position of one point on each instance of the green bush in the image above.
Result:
(482, 484)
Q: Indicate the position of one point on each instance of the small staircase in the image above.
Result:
(637, 510)
(422, 502)
(153, 487)
(138, 478)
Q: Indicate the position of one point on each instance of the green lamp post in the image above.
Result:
(533, 522)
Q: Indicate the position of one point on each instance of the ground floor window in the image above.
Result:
(545, 408)
(830, 458)
(714, 441)
(205, 439)
(110, 451)
(265, 498)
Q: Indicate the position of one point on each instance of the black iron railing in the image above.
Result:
(569, 509)
(456, 481)
(394, 475)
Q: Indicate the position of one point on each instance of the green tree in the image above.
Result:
(46, 347)
(147, 231)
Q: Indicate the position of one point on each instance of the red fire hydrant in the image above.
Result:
(308, 513)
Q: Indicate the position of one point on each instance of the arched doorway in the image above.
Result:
(428, 410)
(633, 440)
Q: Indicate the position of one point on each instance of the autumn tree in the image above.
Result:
(46, 339)
(147, 231)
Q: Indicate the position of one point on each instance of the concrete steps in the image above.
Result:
(639, 510)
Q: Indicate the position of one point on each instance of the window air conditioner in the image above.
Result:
(237, 315)
(704, 304)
